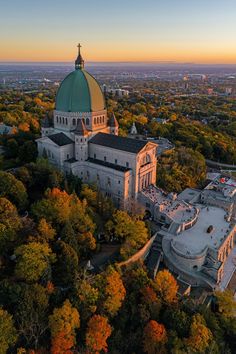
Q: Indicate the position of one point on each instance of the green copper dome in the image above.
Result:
(79, 92)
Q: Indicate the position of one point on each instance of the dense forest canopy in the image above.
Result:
(52, 225)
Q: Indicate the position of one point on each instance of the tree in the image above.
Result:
(226, 303)
(166, 286)
(63, 323)
(200, 336)
(32, 313)
(9, 223)
(8, 334)
(114, 292)
(66, 266)
(151, 302)
(137, 238)
(12, 188)
(124, 228)
(154, 338)
(176, 319)
(60, 208)
(97, 333)
(86, 299)
(46, 231)
(33, 261)
(28, 152)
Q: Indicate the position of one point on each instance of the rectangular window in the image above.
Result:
(94, 156)
(105, 158)
(116, 161)
(127, 164)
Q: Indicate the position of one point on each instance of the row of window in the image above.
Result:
(99, 120)
(116, 162)
(63, 120)
(96, 120)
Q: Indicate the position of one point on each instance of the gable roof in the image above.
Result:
(118, 142)
(60, 139)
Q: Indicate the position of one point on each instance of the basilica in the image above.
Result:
(84, 141)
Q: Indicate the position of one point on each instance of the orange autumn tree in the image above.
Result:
(63, 323)
(166, 286)
(115, 292)
(154, 338)
(98, 332)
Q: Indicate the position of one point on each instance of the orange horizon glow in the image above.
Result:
(202, 54)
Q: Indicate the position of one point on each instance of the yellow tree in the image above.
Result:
(33, 260)
(45, 230)
(200, 336)
(115, 292)
(166, 286)
(63, 323)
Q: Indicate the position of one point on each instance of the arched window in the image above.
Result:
(95, 120)
(74, 121)
(63, 119)
(100, 120)
(103, 119)
(66, 121)
(60, 120)
(148, 158)
(87, 121)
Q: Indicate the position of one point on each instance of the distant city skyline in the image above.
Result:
(202, 31)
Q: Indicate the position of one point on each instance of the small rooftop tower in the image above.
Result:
(79, 63)
(133, 130)
(114, 126)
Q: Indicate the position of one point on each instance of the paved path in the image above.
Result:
(211, 163)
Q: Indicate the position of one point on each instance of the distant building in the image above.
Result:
(161, 120)
(115, 91)
(7, 129)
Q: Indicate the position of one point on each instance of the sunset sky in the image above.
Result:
(200, 31)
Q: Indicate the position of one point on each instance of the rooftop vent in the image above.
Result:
(210, 229)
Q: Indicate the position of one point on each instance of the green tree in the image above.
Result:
(66, 266)
(13, 189)
(32, 314)
(33, 261)
(8, 334)
(226, 303)
(28, 152)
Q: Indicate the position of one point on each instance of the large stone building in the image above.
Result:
(197, 240)
(84, 141)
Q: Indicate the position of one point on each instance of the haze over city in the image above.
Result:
(201, 31)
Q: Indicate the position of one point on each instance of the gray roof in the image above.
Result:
(118, 142)
(60, 139)
(108, 164)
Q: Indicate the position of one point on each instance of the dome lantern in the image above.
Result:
(79, 63)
